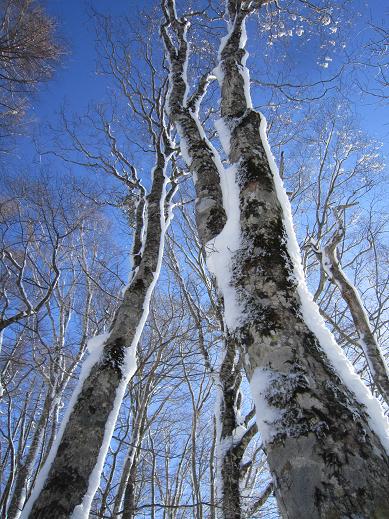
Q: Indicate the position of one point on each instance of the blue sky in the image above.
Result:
(76, 83)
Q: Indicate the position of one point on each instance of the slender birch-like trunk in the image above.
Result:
(25, 471)
(124, 505)
(228, 459)
(233, 432)
(317, 433)
(74, 472)
(367, 340)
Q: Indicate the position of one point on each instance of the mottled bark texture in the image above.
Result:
(367, 339)
(210, 214)
(80, 444)
(230, 456)
(230, 446)
(234, 436)
(320, 437)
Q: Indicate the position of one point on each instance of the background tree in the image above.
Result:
(29, 50)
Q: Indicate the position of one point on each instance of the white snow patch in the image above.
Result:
(219, 74)
(224, 135)
(185, 66)
(184, 150)
(245, 71)
(220, 249)
(341, 365)
(266, 415)
(95, 349)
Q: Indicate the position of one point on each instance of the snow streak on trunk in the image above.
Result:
(202, 160)
(208, 172)
(233, 432)
(68, 481)
(318, 435)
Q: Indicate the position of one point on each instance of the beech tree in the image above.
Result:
(82, 445)
(232, 322)
(44, 222)
(291, 361)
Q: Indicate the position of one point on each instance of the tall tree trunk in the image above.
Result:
(317, 434)
(233, 433)
(72, 472)
(125, 498)
(129, 495)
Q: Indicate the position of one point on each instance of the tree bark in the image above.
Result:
(79, 447)
(319, 434)
(228, 460)
(316, 433)
(210, 214)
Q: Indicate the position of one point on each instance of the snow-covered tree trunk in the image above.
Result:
(310, 406)
(309, 419)
(69, 480)
(199, 155)
(367, 340)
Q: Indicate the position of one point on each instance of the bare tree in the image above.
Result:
(28, 52)
(367, 340)
(79, 453)
(172, 455)
(299, 417)
(39, 359)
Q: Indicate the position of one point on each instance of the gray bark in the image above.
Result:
(210, 214)
(322, 437)
(68, 479)
(231, 456)
(231, 448)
